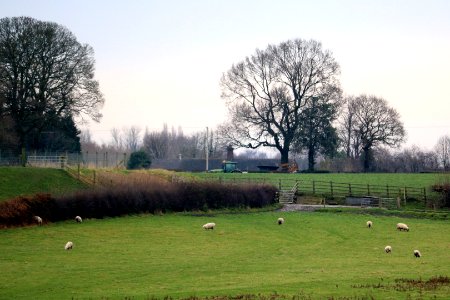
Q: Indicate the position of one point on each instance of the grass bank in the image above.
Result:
(315, 255)
(20, 181)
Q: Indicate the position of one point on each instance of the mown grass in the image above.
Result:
(317, 255)
(17, 181)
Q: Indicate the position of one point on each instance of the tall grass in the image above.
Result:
(315, 255)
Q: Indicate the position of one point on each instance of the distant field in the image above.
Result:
(16, 181)
(313, 255)
(393, 179)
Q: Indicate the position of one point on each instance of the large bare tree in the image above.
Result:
(373, 123)
(442, 150)
(45, 73)
(266, 94)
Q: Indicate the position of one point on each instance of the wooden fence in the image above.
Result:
(332, 189)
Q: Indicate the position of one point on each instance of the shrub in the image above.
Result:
(139, 160)
(444, 190)
(21, 210)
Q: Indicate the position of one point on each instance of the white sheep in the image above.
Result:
(38, 220)
(417, 253)
(369, 224)
(68, 246)
(280, 221)
(78, 219)
(388, 249)
(402, 226)
(209, 225)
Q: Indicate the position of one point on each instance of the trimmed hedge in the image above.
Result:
(135, 198)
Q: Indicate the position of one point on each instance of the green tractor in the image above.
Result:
(230, 167)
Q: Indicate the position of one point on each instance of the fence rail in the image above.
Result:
(333, 189)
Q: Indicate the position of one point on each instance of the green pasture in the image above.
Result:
(17, 181)
(317, 255)
(417, 180)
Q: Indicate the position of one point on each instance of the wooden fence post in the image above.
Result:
(368, 190)
(331, 188)
(349, 189)
(314, 187)
(387, 190)
(94, 178)
(425, 197)
(405, 195)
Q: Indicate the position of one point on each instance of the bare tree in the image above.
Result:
(45, 73)
(131, 138)
(157, 143)
(117, 139)
(86, 142)
(374, 124)
(267, 92)
(347, 132)
(442, 150)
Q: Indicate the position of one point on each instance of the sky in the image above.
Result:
(161, 61)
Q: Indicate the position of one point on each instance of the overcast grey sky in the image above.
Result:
(161, 61)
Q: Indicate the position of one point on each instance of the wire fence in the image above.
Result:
(85, 159)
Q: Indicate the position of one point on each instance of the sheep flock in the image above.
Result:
(400, 227)
(280, 221)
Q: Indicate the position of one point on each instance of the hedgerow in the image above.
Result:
(134, 197)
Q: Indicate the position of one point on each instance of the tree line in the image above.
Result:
(285, 97)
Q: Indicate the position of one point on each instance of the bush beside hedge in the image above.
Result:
(134, 198)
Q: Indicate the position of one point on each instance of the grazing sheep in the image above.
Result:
(369, 224)
(417, 253)
(280, 221)
(388, 249)
(402, 226)
(68, 246)
(38, 220)
(78, 219)
(209, 225)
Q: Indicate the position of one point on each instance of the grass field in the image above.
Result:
(317, 255)
(393, 179)
(16, 181)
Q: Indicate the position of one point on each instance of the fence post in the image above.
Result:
(405, 195)
(349, 189)
(279, 184)
(96, 159)
(331, 189)
(387, 190)
(425, 197)
(368, 189)
(94, 178)
(314, 187)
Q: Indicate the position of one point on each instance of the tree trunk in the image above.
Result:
(367, 159)
(284, 159)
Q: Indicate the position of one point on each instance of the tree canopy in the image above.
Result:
(46, 76)
(268, 92)
(369, 122)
